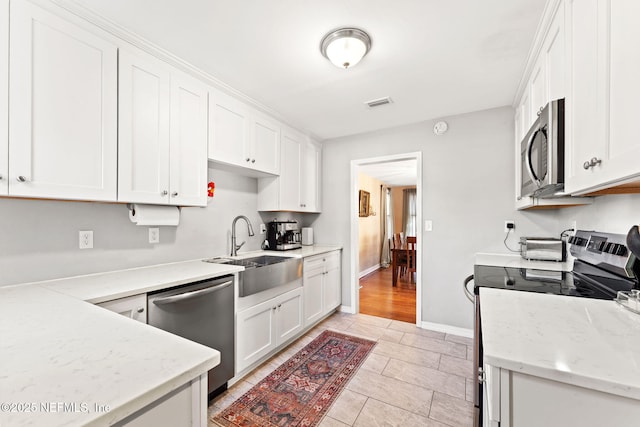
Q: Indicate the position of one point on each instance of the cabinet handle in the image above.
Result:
(164, 193)
(591, 163)
(540, 111)
(174, 194)
(140, 310)
(22, 179)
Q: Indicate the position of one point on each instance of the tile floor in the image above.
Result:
(413, 376)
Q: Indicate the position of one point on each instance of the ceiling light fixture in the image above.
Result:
(345, 47)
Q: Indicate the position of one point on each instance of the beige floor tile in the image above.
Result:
(456, 366)
(331, 422)
(372, 320)
(347, 407)
(375, 362)
(366, 330)
(407, 353)
(469, 392)
(413, 329)
(392, 391)
(377, 413)
(435, 345)
(429, 378)
(261, 372)
(391, 335)
(459, 339)
(452, 411)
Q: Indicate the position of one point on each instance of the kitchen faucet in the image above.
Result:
(234, 248)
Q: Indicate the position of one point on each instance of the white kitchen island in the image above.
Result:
(559, 361)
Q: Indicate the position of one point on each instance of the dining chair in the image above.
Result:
(400, 256)
(410, 256)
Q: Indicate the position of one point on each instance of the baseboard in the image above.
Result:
(448, 329)
(346, 309)
(368, 271)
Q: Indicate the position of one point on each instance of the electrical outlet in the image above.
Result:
(85, 239)
(574, 225)
(154, 235)
(263, 228)
(509, 225)
(428, 225)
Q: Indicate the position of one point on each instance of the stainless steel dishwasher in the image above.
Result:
(201, 312)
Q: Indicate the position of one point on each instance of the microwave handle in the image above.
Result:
(527, 162)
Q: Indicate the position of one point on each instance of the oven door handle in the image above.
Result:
(469, 294)
(193, 294)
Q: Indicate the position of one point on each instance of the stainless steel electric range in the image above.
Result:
(603, 265)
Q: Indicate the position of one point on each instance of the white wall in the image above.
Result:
(468, 184)
(39, 239)
(613, 214)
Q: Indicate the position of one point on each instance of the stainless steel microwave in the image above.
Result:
(542, 153)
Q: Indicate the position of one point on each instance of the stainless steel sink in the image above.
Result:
(263, 272)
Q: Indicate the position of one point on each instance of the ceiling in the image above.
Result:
(434, 58)
(398, 173)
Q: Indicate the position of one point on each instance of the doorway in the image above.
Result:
(380, 280)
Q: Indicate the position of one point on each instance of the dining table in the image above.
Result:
(398, 260)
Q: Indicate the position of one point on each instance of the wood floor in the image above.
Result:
(378, 298)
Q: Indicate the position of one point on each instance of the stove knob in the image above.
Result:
(609, 248)
(621, 250)
(572, 240)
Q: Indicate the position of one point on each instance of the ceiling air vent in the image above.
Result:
(378, 102)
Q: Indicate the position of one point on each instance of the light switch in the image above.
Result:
(428, 225)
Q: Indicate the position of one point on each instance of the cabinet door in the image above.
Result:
(620, 157)
(143, 168)
(62, 108)
(554, 53)
(265, 136)
(289, 315)
(313, 298)
(4, 96)
(332, 286)
(188, 151)
(134, 307)
(229, 127)
(309, 179)
(537, 88)
(255, 334)
(289, 181)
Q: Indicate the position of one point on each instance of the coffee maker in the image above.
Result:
(283, 235)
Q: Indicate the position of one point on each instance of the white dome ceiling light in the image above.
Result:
(345, 47)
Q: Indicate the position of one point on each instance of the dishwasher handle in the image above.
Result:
(193, 294)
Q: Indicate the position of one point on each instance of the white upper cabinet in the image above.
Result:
(188, 147)
(602, 108)
(241, 137)
(62, 108)
(163, 133)
(297, 188)
(4, 97)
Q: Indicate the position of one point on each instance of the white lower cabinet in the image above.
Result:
(263, 327)
(185, 406)
(321, 283)
(133, 307)
(514, 399)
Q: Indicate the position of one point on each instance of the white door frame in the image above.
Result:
(355, 233)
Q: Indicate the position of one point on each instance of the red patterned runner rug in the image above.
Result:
(301, 390)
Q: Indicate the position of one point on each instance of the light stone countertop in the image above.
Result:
(516, 261)
(59, 350)
(56, 347)
(580, 341)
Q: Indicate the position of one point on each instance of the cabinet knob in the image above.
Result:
(22, 179)
(247, 159)
(274, 308)
(140, 310)
(279, 305)
(253, 160)
(0, 177)
(164, 193)
(586, 165)
(174, 194)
